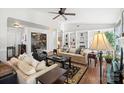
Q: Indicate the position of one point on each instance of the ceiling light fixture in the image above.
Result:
(17, 25)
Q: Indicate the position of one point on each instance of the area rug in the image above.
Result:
(74, 74)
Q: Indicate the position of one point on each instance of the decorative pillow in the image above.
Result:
(78, 51)
(41, 65)
(25, 58)
(26, 68)
(61, 50)
(82, 51)
(34, 62)
(67, 50)
(72, 50)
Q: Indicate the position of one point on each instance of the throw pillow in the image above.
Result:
(72, 50)
(26, 68)
(34, 62)
(61, 50)
(82, 52)
(67, 50)
(41, 65)
(78, 51)
(25, 58)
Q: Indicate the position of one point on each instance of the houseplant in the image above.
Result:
(108, 58)
(111, 38)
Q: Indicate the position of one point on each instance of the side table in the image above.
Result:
(92, 56)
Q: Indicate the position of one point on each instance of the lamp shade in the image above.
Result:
(100, 42)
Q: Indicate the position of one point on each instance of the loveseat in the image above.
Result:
(80, 58)
(28, 69)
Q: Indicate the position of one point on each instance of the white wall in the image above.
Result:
(14, 37)
(22, 14)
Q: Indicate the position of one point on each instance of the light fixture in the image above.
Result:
(17, 25)
(100, 43)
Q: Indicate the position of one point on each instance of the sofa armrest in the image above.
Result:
(37, 74)
(32, 78)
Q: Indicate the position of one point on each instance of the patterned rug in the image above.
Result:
(74, 74)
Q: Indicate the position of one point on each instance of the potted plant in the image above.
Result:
(108, 58)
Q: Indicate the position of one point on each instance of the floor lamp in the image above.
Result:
(100, 43)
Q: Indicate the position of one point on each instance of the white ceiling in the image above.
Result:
(86, 18)
(12, 21)
(87, 15)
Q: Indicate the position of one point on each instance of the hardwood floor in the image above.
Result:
(92, 76)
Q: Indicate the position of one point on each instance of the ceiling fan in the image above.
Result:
(62, 13)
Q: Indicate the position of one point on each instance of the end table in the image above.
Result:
(92, 56)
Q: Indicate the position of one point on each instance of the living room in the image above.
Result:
(58, 45)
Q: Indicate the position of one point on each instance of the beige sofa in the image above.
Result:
(77, 58)
(25, 76)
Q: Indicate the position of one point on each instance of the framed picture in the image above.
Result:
(38, 41)
(66, 40)
(82, 38)
(10, 52)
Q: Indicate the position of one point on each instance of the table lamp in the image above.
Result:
(100, 43)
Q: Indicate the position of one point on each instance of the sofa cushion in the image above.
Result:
(41, 65)
(72, 50)
(82, 52)
(33, 62)
(25, 58)
(26, 68)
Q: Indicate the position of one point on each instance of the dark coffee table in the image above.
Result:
(51, 76)
(60, 59)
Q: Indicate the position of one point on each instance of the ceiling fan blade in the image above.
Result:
(73, 14)
(64, 17)
(62, 10)
(56, 17)
(53, 12)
